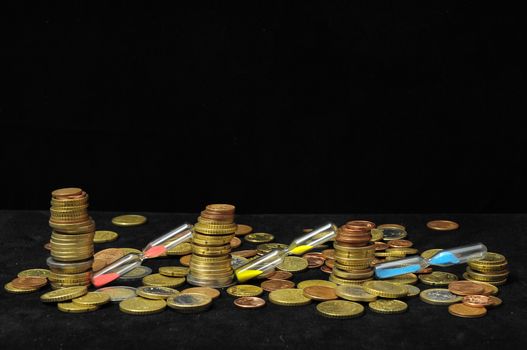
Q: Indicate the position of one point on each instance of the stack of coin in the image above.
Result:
(353, 253)
(491, 269)
(210, 264)
(71, 239)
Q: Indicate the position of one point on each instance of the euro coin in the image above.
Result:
(189, 302)
(384, 306)
(389, 234)
(243, 230)
(280, 275)
(244, 290)
(76, 308)
(150, 292)
(427, 254)
(248, 253)
(408, 278)
(128, 220)
(235, 242)
(185, 260)
(309, 283)
(384, 289)
(118, 293)
(340, 309)
(104, 236)
(271, 285)
(142, 306)
(439, 296)
(249, 302)
(265, 248)
(92, 298)
(29, 282)
(442, 225)
(173, 271)
(289, 297)
(293, 264)
(181, 249)
(8, 287)
(259, 237)
(465, 288)
(34, 273)
(354, 293)
(320, 293)
(438, 278)
(210, 292)
(412, 290)
(63, 294)
(397, 226)
(158, 280)
(477, 300)
(462, 310)
(137, 273)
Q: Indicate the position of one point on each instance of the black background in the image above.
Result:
(275, 107)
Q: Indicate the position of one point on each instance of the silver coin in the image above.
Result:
(390, 234)
(135, 274)
(238, 261)
(439, 295)
(156, 292)
(118, 293)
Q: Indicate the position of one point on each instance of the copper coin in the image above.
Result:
(280, 275)
(442, 225)
(326, 269)
(425, 270)
(329, 253)
(381, 246)
(376, 261)
(320, 293)
(462, 310)
(66, 192)
(245, 253)
(330, 263)
(249, 302)
(271, 285)
(106, 257)
(235, 242)
(477, 300)
(495, 301)
(29, 282)
(465, 288)
(47, 246)
(242, 230)
(361, 223)
(313, 254)
(400, 243)
(313, 262)
(185, 260)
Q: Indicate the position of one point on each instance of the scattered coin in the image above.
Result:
(280, 275)
(235, 242)
(29, 282)
(106, 257)
(189, 302)
(76, 308)
(265, 248)
(329, 253)
(439, 296)
(181, 249)
(320, 293)
(259, 237)
(185, 260)
(158, 280)
(390, 234)
(442, 225)
(210, 292)
(462, 310)
(237, 261)
(142, 306)
(118, 293)
(495, 301)
(242, 230)
(376, 234)
(137, 273)
(465, 288)
(385, 289)
(92, 298)
(104, 236)
(34, 273)
(150, 292)
(174, 271)
(249, 302)
(314, 261)
(408, 278)
(293, 264)
(385, 306)
(126, 251)
(289, 297)
(397, 226)
(12, 289)
(63, 294)
(412, 290)
(477, 300)
(326, 269)
(129, 220)
(274, 284)
(400, 243)
(354, 293)
(427, 254)
(249, 253)
(309, 283)
(340, 309)
(438, 278)
(244, 290)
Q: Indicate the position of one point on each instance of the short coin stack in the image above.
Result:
(71, 239)
(491, 269)
(210, 265)
(353, 253)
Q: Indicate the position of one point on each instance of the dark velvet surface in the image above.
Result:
(28, 323)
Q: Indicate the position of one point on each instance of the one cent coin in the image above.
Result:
(235, 242)
(329, 253)
(185, 260)
(249, 302)
(29, 282)
(274, 284)
(326, 269)
(400, 243)
(462, 310)
(442, 225)
(320, 293)
(465, 288)
(243, 230)
(314, 262)
(280, 275)
(477, 300)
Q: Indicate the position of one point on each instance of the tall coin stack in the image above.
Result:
(71, 239)
(491, 269)
(353, 253)
(210, 264)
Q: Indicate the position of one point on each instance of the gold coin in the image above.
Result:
(354, 293)
(310, 283)
(472, 279)
(439, 296)
(376, 235)
(490, 259)
(259, 237)
(289, 297)
(118, 293)
(340, 309)
(244, 290)
(442, 225)
(151, 292)
(158, 280)
(412, 290)
(126, 251)
(12, 289)
(34, 273)
(129, 220)
(173, 271)
(397, 226)
(189, 302)
(384, 306)
(104, 236)
(142, 306)
(427, 254)
(384, 289)
(63, 294)
(76, 308)
(438, 278)
(180, 249)
(210, 292)
(267, 247)
(92, 298)
(408, 278)
(242, 230)
(293, 264)
(185, 260)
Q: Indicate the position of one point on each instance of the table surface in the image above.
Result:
(28, 322)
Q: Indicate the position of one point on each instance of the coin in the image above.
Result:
(66, 192)
(249, 253)
(151, 292)
(462, 310)
(309, 283)
(104, 236)
(189, 302)
(237, 261)
(242, 230)
(76, 308)
(314, 262)
(489, 289)
(244, 290)
(438, 278)
(47, 246)
(185, 260)
(92, 298)
(173, 271)
(412, 290)
(158, 280)
(221, 208)
(326, 269)
(128, 220)
(427, 254)
(340, 309)
(490, 259)
(400, 243)
(385, 306)
(274, 284)
(267, 247)
(63, 294)
(442, 225)
(376, 234)
(137, 273)
(328, 253)
(259, 237)
(106, 257)
(385, 289)
(495, 283)
(181, 249)
(495, 301)
(28, 282)
(439, 296)
(477, 300)
(320, 293)
(400, 227)
(465, 288)
(142, 306)
(8, 287)
(118, 293)
(354, 293)
(293, 264)
(289, 297)
(393, 234)
(126, 251)
(407, 278)
(249, 302)
(235, 242)
(210, 292)
(280, 275)
(34, 273)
